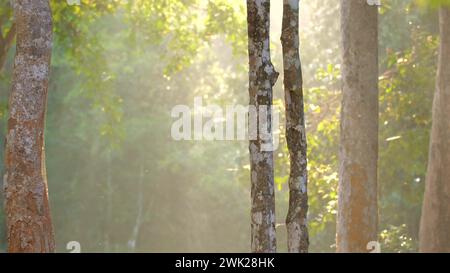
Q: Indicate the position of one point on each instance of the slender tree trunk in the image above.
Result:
(109, 203)
(296, 222)
(262, 77)
(435, 223)
(358, 212)
(6, 43)
(27, 206)
(7, 38)
(140, 211)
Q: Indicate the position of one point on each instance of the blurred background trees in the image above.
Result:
(118, 68)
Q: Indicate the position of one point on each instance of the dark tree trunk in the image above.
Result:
(27, 207)
(296, 222)
(358, 211)
(262, 77)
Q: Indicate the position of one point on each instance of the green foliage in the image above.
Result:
(434, 3)
(394, 239)
(405, 120)
(228, 18)
(323, 141)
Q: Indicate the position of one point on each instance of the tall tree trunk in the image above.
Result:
(6, 43)
(27, 206)
(140, 211)
(109, 203)
(435, 223)
(296, 222)
(262, 77)
(358, 212)
(7, 38)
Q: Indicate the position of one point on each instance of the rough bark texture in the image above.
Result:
(435, 223)
(296, 221)
(262, 77)
(358, 212)
(25, 184)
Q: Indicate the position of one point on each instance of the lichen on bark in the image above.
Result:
(25, 184)
(296, 219)
(262, 77)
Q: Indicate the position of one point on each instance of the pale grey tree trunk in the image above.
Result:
(25, 183)
(435, 222)
(262, 77)
(140, 211)
(109, 202)
(296, 220)
(357, 203)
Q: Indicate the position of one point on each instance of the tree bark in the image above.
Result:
(27, 207)
(358, 212)
(296, 221)
(434, 233)
(262, 77)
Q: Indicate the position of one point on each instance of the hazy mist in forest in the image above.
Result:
(119, 182)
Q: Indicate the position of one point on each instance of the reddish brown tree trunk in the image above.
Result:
(435, 222)
(357, 205)
(262, 77)
(296, 222)
(27, 208)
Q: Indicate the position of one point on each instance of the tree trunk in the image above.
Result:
(296, 222)
(140, 211)
(358, 212)
(435, 223)
(262, 77)
(27, 206)
(109, 203)
(5, 44)
(6, 39)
